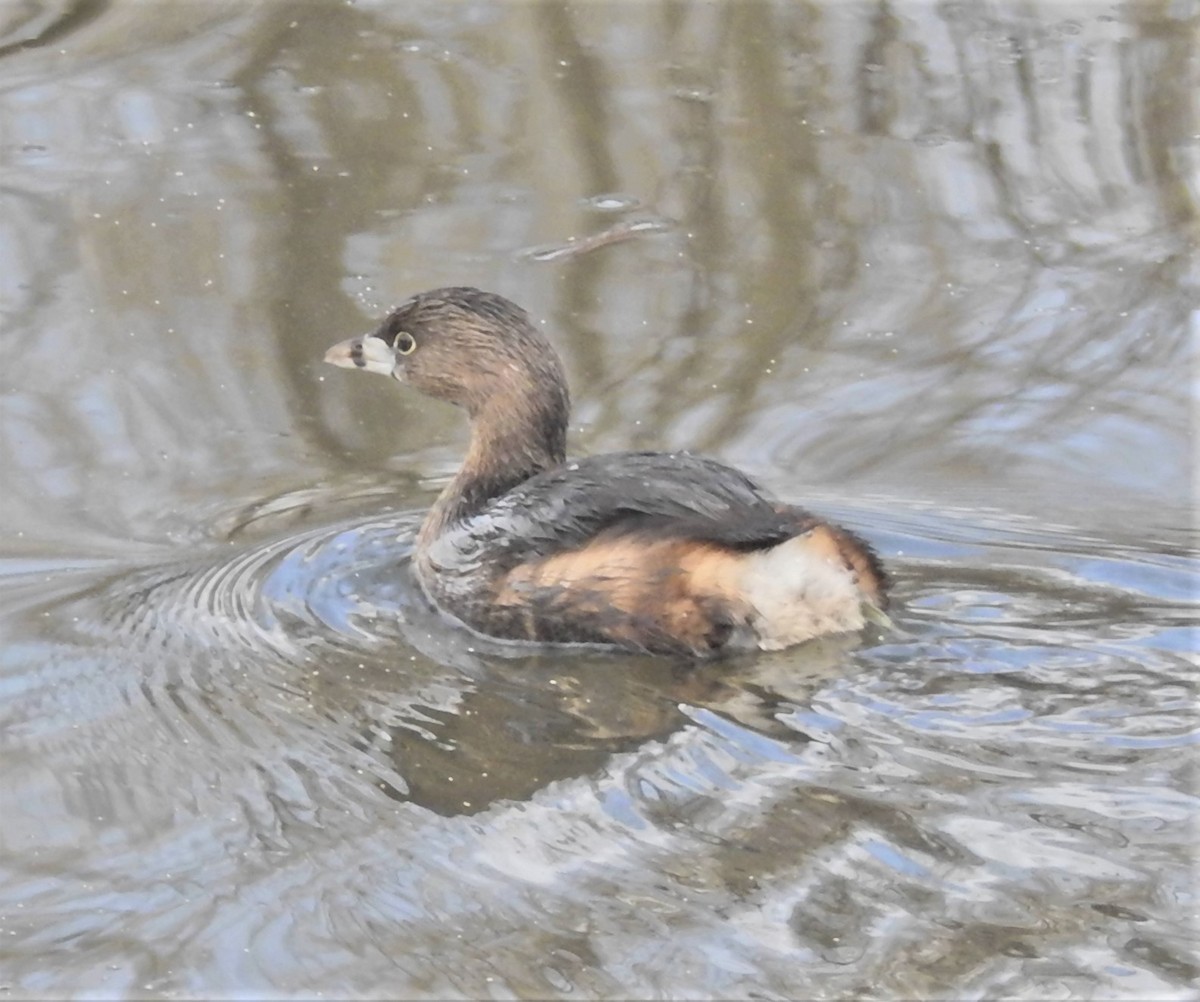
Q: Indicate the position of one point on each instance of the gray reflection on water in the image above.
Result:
(929, 267)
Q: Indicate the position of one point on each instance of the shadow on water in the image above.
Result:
(929, 269)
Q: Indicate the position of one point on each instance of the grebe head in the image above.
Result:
(480, 352)
(471, 348)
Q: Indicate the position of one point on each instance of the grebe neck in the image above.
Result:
(513, 438)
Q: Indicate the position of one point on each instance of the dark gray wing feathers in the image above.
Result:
(660, 495)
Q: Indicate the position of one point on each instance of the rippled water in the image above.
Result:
(930, 269)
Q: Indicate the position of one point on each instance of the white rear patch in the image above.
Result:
(800, 593)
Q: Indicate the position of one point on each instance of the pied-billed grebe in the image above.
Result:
(662, 552)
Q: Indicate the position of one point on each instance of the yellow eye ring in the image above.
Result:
(405, 344)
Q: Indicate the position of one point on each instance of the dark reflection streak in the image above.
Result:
(580, 91)
(788, 265)
(877, 76)
(877, 109)
(292, 219)
(1028, 88)
(697, 135)
(82, 13)
(468, 114)
(979, 119)
(1134, 157)
(762, 88)
(1168, 104)
(312, 280)
(587, 120)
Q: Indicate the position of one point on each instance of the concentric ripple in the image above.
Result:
(276, 750)
(329, 582)
(216, 660)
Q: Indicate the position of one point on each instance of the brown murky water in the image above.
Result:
(930, 268)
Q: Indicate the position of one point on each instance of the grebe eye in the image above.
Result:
(405, 343)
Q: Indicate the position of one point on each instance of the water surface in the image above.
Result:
(928, 268)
